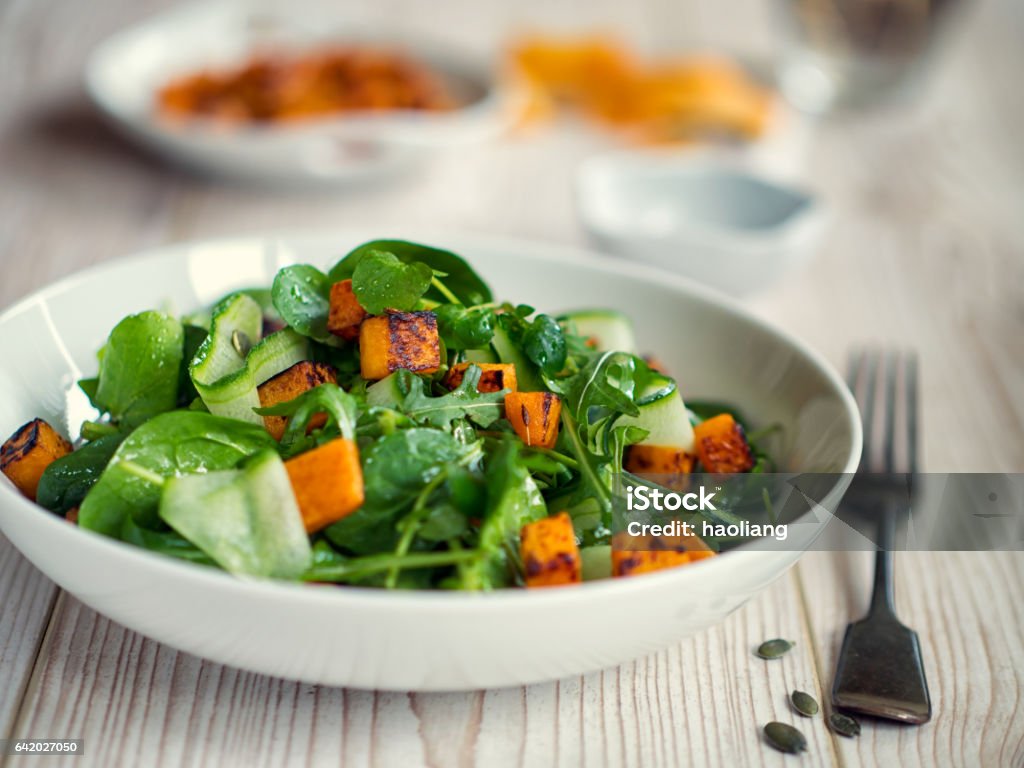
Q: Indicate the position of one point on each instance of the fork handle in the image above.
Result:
(882, 596)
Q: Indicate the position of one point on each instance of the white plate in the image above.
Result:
(125, 71)
(420, 641)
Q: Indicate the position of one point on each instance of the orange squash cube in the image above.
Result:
(665, 465)
(327, 482)
(288, 385)
(631, 556)
(534, 416)
(28, 452)
(722, 446)
(399, 340)
(549, 552)
(494, 377)
(346, 314)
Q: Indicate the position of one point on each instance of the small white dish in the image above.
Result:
(699, 215)
(414, 640)
(125, 72)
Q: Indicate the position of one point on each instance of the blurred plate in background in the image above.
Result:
(125, 73)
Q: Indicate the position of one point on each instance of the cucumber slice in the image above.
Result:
(527, 375)
(666, 420)
(596, 562)
(610, 330)
(486, 355)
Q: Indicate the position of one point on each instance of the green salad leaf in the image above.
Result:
(139, 368)
(382, 281)
(302, 296)
(408, 394)
(459, 277)
(66, 481)
(465, 328)
(176, 443)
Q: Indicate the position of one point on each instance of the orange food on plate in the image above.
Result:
(679, 99)
(28, 452)
(549, 552)
(722, 445)
(288, 87)
(637, 554)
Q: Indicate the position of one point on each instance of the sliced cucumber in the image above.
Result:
(596, 562)
(610, 330)
(527, 375)
(486, 355)
(666, 420)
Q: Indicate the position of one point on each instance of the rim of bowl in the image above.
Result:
(333, 596)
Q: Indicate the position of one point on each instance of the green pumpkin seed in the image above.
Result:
(785, 738)
(773, 649)
(804, 703)
(241, 342)
(844, 725)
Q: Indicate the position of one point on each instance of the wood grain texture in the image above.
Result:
(924, 250)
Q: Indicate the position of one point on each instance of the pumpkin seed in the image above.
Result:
(241, 342)
(785, 738)
(844, 725)
(773, 649)
(804, 703)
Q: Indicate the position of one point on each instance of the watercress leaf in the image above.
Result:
(463, 402)
(459, 278)
(463, 328)
(544, 344)
(66, 481)
(382, 281)
(176, 443)
(246, 519)
(139, 368)
(302, 296)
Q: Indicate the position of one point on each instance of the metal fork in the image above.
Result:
(880, 671)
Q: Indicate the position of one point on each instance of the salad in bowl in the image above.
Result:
(386, 423)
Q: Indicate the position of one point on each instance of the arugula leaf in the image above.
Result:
(512, 501)
(396, 468)
(66, 481)
(330, 399)
(139, 368)
(302, 295)
(382, 281)
(465, 328)
(463, 402)
(176, 443)
(460, 278)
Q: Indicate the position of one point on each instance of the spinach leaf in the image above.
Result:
(166, 543)
(459, 277)
(302, 295)
(463, 328)
(139, 368)
(463, 402)
(381, 281)
(66, 481)
(176, 443)
(512, 502)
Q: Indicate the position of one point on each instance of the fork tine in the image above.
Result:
(910, 386)
(865, 396)
(891, 364)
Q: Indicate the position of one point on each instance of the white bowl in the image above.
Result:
(698, 215)
(125, 71)
(420, 641)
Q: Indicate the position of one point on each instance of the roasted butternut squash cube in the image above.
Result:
(631, 555)
(722, 446)
(346, 315)
(288, 385)
(666, 465)
(327, 482)
(549, 552)
(28, 452)
(399, 340)
(494, 377)
(534, 416)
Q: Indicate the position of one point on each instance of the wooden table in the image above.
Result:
(925, 250)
